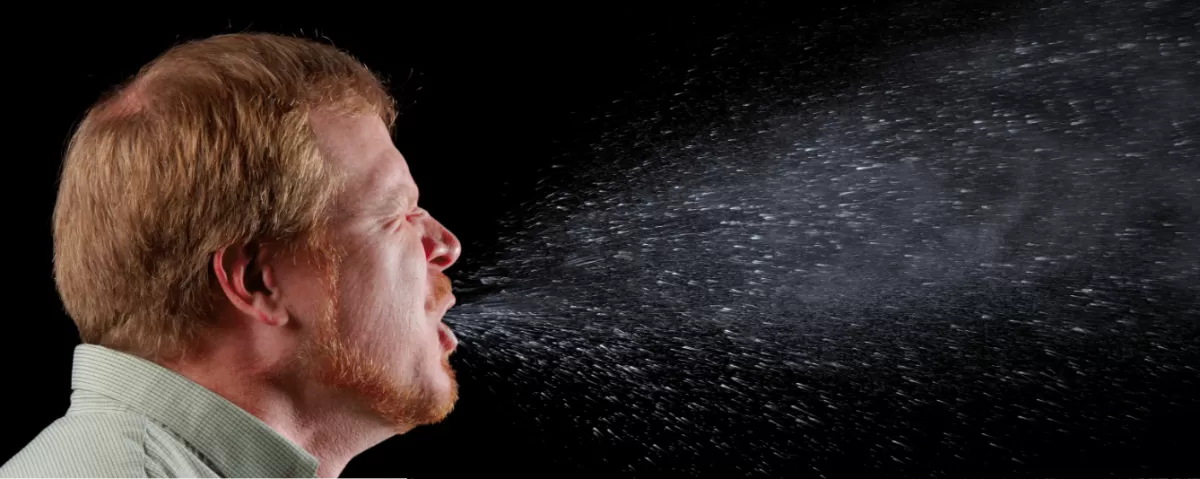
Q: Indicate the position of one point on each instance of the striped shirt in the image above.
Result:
(133, 418)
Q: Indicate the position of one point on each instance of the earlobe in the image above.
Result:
(272, 320)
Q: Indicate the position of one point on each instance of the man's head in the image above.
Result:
(247, 186)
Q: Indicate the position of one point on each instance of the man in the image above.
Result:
(258, 293)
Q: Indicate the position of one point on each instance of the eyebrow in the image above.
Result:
(395, 197)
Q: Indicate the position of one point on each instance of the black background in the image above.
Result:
(489, 98)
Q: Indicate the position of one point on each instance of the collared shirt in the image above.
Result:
(130, 417)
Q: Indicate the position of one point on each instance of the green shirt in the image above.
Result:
(133, 418)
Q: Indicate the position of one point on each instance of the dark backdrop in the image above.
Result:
(490, 97)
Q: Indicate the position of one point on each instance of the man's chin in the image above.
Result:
(450, 395)
(437, 400)
(404, 407)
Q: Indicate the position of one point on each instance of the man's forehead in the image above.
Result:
(375, 173)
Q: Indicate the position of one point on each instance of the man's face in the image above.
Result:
(380, 335)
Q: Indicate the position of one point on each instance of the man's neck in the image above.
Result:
(330, 425)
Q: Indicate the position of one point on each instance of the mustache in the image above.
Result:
(441, 286)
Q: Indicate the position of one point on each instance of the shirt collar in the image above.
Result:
(233, 441)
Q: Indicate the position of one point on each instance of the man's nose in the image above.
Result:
(441, 246)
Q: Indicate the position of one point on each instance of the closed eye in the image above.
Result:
(395, 224)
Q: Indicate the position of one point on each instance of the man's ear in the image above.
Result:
(248, 282)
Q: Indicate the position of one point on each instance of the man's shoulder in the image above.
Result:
(93, 445)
